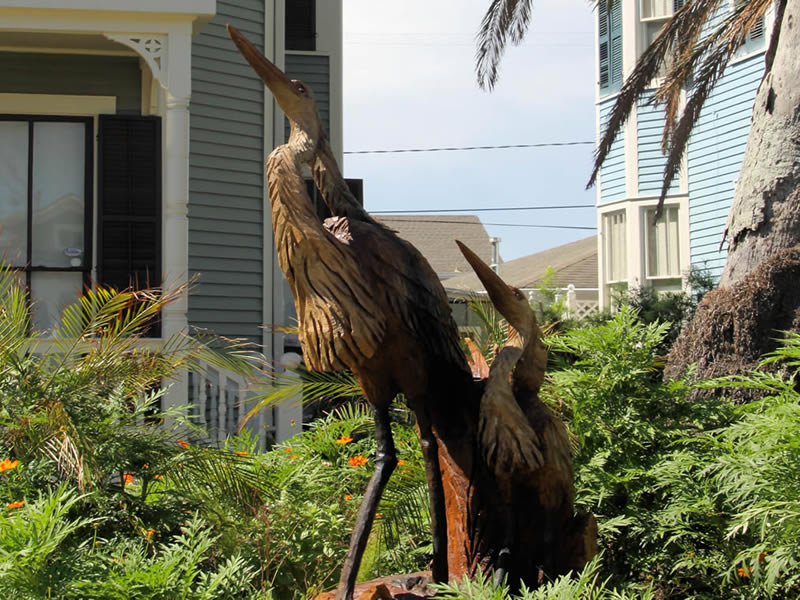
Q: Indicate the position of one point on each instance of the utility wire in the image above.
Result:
(471, 210)
(460, 148)
(505, 224)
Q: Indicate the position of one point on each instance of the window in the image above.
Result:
(615, 247)
(46, 208)
(659, 9)
(301, 26)
(663, 244)
(609, 28)
(755, 39)
(654, 15)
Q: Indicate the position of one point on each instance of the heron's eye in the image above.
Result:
(302, 89)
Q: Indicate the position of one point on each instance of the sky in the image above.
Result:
(409, 82)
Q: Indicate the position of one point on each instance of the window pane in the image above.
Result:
(663, 248)
(615, 246)
(14, 192)
(51, 292)
(59, 163)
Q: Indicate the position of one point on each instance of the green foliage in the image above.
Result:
(585, 585)
(699, 498)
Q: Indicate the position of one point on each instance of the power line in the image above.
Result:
(460, 148)
(506, 224)
(471, 210)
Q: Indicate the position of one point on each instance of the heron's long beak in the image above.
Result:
(501, 295)
(275, 79)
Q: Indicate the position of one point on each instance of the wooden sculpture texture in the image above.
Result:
(368, 301)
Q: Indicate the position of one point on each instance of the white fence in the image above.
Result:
(580, 302)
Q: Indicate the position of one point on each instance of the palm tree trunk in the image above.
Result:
(764, 217)
(759, 295)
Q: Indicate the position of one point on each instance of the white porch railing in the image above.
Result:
(218, 401)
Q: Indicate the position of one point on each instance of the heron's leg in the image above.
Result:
(385, 463)
(430, 453)
(502, 564)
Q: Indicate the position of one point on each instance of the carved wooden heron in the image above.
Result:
(366, 300)
(527, 447)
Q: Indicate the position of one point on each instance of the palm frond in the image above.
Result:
(506, 20)
(300, 384)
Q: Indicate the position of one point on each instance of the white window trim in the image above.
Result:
(635, 208)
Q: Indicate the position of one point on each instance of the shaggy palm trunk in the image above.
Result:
(759, 295)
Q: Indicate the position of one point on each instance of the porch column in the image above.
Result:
(175, 233)
(169, 57)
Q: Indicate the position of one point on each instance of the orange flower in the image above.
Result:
(401, 462)
(145, 466)
(348, 497)
(17, 504)
(182, 444)
(287, 449)
(127, 478)
(293, 457)
(762, 556)
(149, 533)
(241, 453)
(345, 439)
(7, 464)
(158, 477)
(406, 471)
(357, 461)
(744, 573)
(378, 515)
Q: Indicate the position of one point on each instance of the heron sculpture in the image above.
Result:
(366, 301)
(527, 448)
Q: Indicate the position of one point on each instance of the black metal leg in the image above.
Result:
(430, 452)
(502, 564)
(385, 463)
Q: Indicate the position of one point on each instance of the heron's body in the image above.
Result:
(525, 444)
(365, 299)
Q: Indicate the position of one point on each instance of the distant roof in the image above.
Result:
(575, 263)
(434, 236)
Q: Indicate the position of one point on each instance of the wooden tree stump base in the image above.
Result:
(413, 586)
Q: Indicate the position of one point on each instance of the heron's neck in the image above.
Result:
(293, 217)
(530, 368)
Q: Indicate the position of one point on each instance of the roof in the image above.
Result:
(434, 236)
(575, 263)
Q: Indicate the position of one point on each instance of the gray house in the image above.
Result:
(132, 144)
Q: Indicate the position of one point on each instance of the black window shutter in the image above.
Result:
(356, 188)
(129, 202)
(301, 26)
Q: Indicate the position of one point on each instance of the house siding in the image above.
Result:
(314, 71)
(650, 127)
(74, 74)
(612, 175)
(715, 154)
(226, 177)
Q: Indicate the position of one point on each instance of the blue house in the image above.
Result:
(633, 252)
